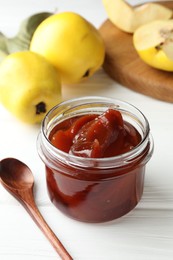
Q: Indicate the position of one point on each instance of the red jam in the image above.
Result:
(95, 157)
(96, 194)
(94, 136)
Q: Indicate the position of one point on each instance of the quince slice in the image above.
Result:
(129, 18)
(154, 44)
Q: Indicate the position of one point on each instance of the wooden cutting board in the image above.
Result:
(123, 64)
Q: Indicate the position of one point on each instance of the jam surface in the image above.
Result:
(95, 136)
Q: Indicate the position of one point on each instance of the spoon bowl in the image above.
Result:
(18, 179)
(15, 174)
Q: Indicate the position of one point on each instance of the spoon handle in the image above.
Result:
(33, 211)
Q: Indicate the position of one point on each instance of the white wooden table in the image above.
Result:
(146, 233)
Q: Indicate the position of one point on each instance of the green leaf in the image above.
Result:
(29, 26)
(3, 47)
(3, 43)
(23, 38)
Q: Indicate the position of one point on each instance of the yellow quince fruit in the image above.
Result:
(154, 44)
(71, 43)
(128, 18)
(29, 86)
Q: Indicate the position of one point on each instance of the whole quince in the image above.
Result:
(71, 43)
(29, 86)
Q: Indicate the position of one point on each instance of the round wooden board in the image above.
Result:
(123, 64)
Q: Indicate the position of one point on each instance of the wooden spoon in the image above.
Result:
(17, 179)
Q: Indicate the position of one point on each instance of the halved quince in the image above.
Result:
(154, 44)
(129, 18)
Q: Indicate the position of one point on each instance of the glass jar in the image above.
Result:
(95, 189)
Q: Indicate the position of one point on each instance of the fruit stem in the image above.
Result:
(40, 108)
(86, 74)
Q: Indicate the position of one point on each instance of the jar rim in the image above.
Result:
(115, 161)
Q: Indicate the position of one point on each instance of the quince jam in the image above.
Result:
(95, 136)
(109, 183)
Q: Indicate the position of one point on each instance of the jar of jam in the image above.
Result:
(95, 151)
